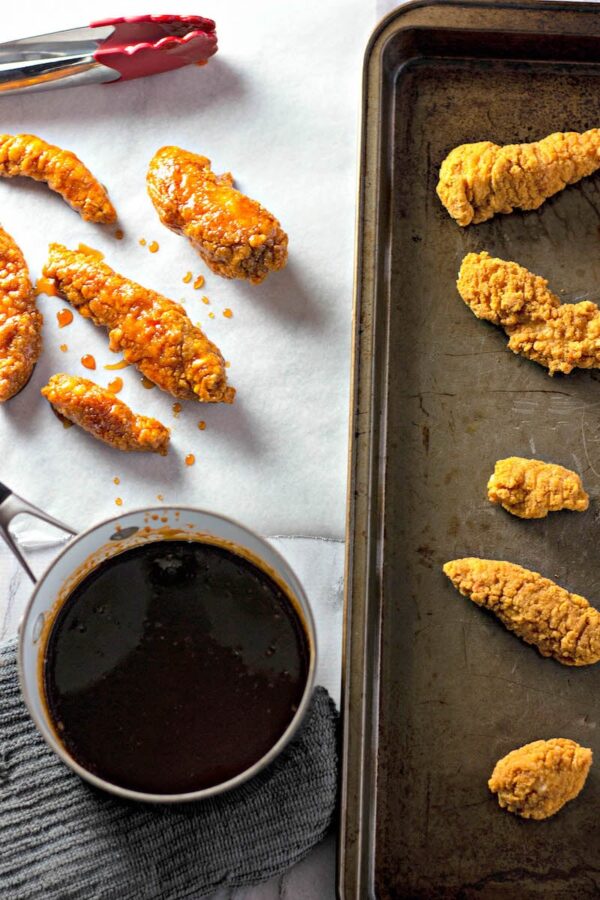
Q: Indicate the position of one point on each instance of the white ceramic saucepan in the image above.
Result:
(87, 550)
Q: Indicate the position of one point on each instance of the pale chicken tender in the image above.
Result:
(560, 624)
(560, 337)
(530, 488)
(20, 320)
(235, 236)
(63, 172)
(101, 414)
(537, 780)
(482, 179)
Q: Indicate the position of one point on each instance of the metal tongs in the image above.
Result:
(106, 51)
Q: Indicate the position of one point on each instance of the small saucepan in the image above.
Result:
(84, 555)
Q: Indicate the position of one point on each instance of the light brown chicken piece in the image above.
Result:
(479, 180)
(235, 236)
(153, 332)
(530, 488)
(537, 780)
(99, 412)
(20, 320)
(560, 337)
(26, 154)
(559, 624)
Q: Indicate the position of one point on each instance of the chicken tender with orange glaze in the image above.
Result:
(482, 179)
(560, 337)
(530, 488)
(537, 780)
(235, 236)
(153, 333)
(20, 320)
(104, 416)
(560, 624)
(26, 154)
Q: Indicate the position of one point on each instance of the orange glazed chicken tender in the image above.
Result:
(20, 320)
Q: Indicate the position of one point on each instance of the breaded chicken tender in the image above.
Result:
(235, 236)
(26, 154)
(104, 416)
(479, 180)
(153, 333)
(560, 337)
(559, 624)
(530, 488)
(537, 780)
(20, 320)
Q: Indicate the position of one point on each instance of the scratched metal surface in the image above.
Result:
(457, 691)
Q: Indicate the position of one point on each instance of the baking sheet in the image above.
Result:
(437, 690)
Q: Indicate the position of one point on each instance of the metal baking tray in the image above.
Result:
(436, 690)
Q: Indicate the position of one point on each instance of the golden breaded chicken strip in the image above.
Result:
(104, 416)
(20, 320)
(153, 333)
(537, 780)
(235, 236)
(26, 154)
(479, 180)
(560, 337)
(530, 488)
(559, 624)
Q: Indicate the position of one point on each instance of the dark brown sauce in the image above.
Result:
(174, 666)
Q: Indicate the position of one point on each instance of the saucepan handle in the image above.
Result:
(12, 505)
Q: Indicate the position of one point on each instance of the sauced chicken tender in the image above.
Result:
(26, 154)
(560, 624)
(530, 488)
(560, 337)
(20, 320)
(99, 412)
(537, 780)
(235, 236)
(153, 332)
(482, 179)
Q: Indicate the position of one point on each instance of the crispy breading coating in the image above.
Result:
(99, 412)
(479, 180)
(558, 623)
(20, 320)
(560, 337)
(153, 333)
(537, 780)
(235, 236)
(530, 488)
(26, 154)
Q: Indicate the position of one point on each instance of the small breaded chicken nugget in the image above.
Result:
(20, 320)
(153, 333)
(235, 236)
(479, 180)
(530, 488)
(537, 780)
(561, 337)
(26, 154)
(104, 416)
(558, 623)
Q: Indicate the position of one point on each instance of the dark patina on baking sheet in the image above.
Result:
(436, 689)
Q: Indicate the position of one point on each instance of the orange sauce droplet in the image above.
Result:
(64, 317)
(147, 383)
(119, 501)
(64, 348)
(119, 234)
(116, 480)
(154, 247)
(187, 278)
(155, 518)
(142, 242)
(112, 367)
(199, 282)
(227, 364)
(115, 385)
(91, 251)
(159, 497)
(202, 425)
(205, 300)
(88, 361)
(66, 423)
(211, 315)
(46, 286)
(190, 459)
(228, 314)
(177, 407)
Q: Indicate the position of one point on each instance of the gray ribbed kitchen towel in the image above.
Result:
(61, 839)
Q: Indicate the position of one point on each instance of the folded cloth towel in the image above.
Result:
(61, 839)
